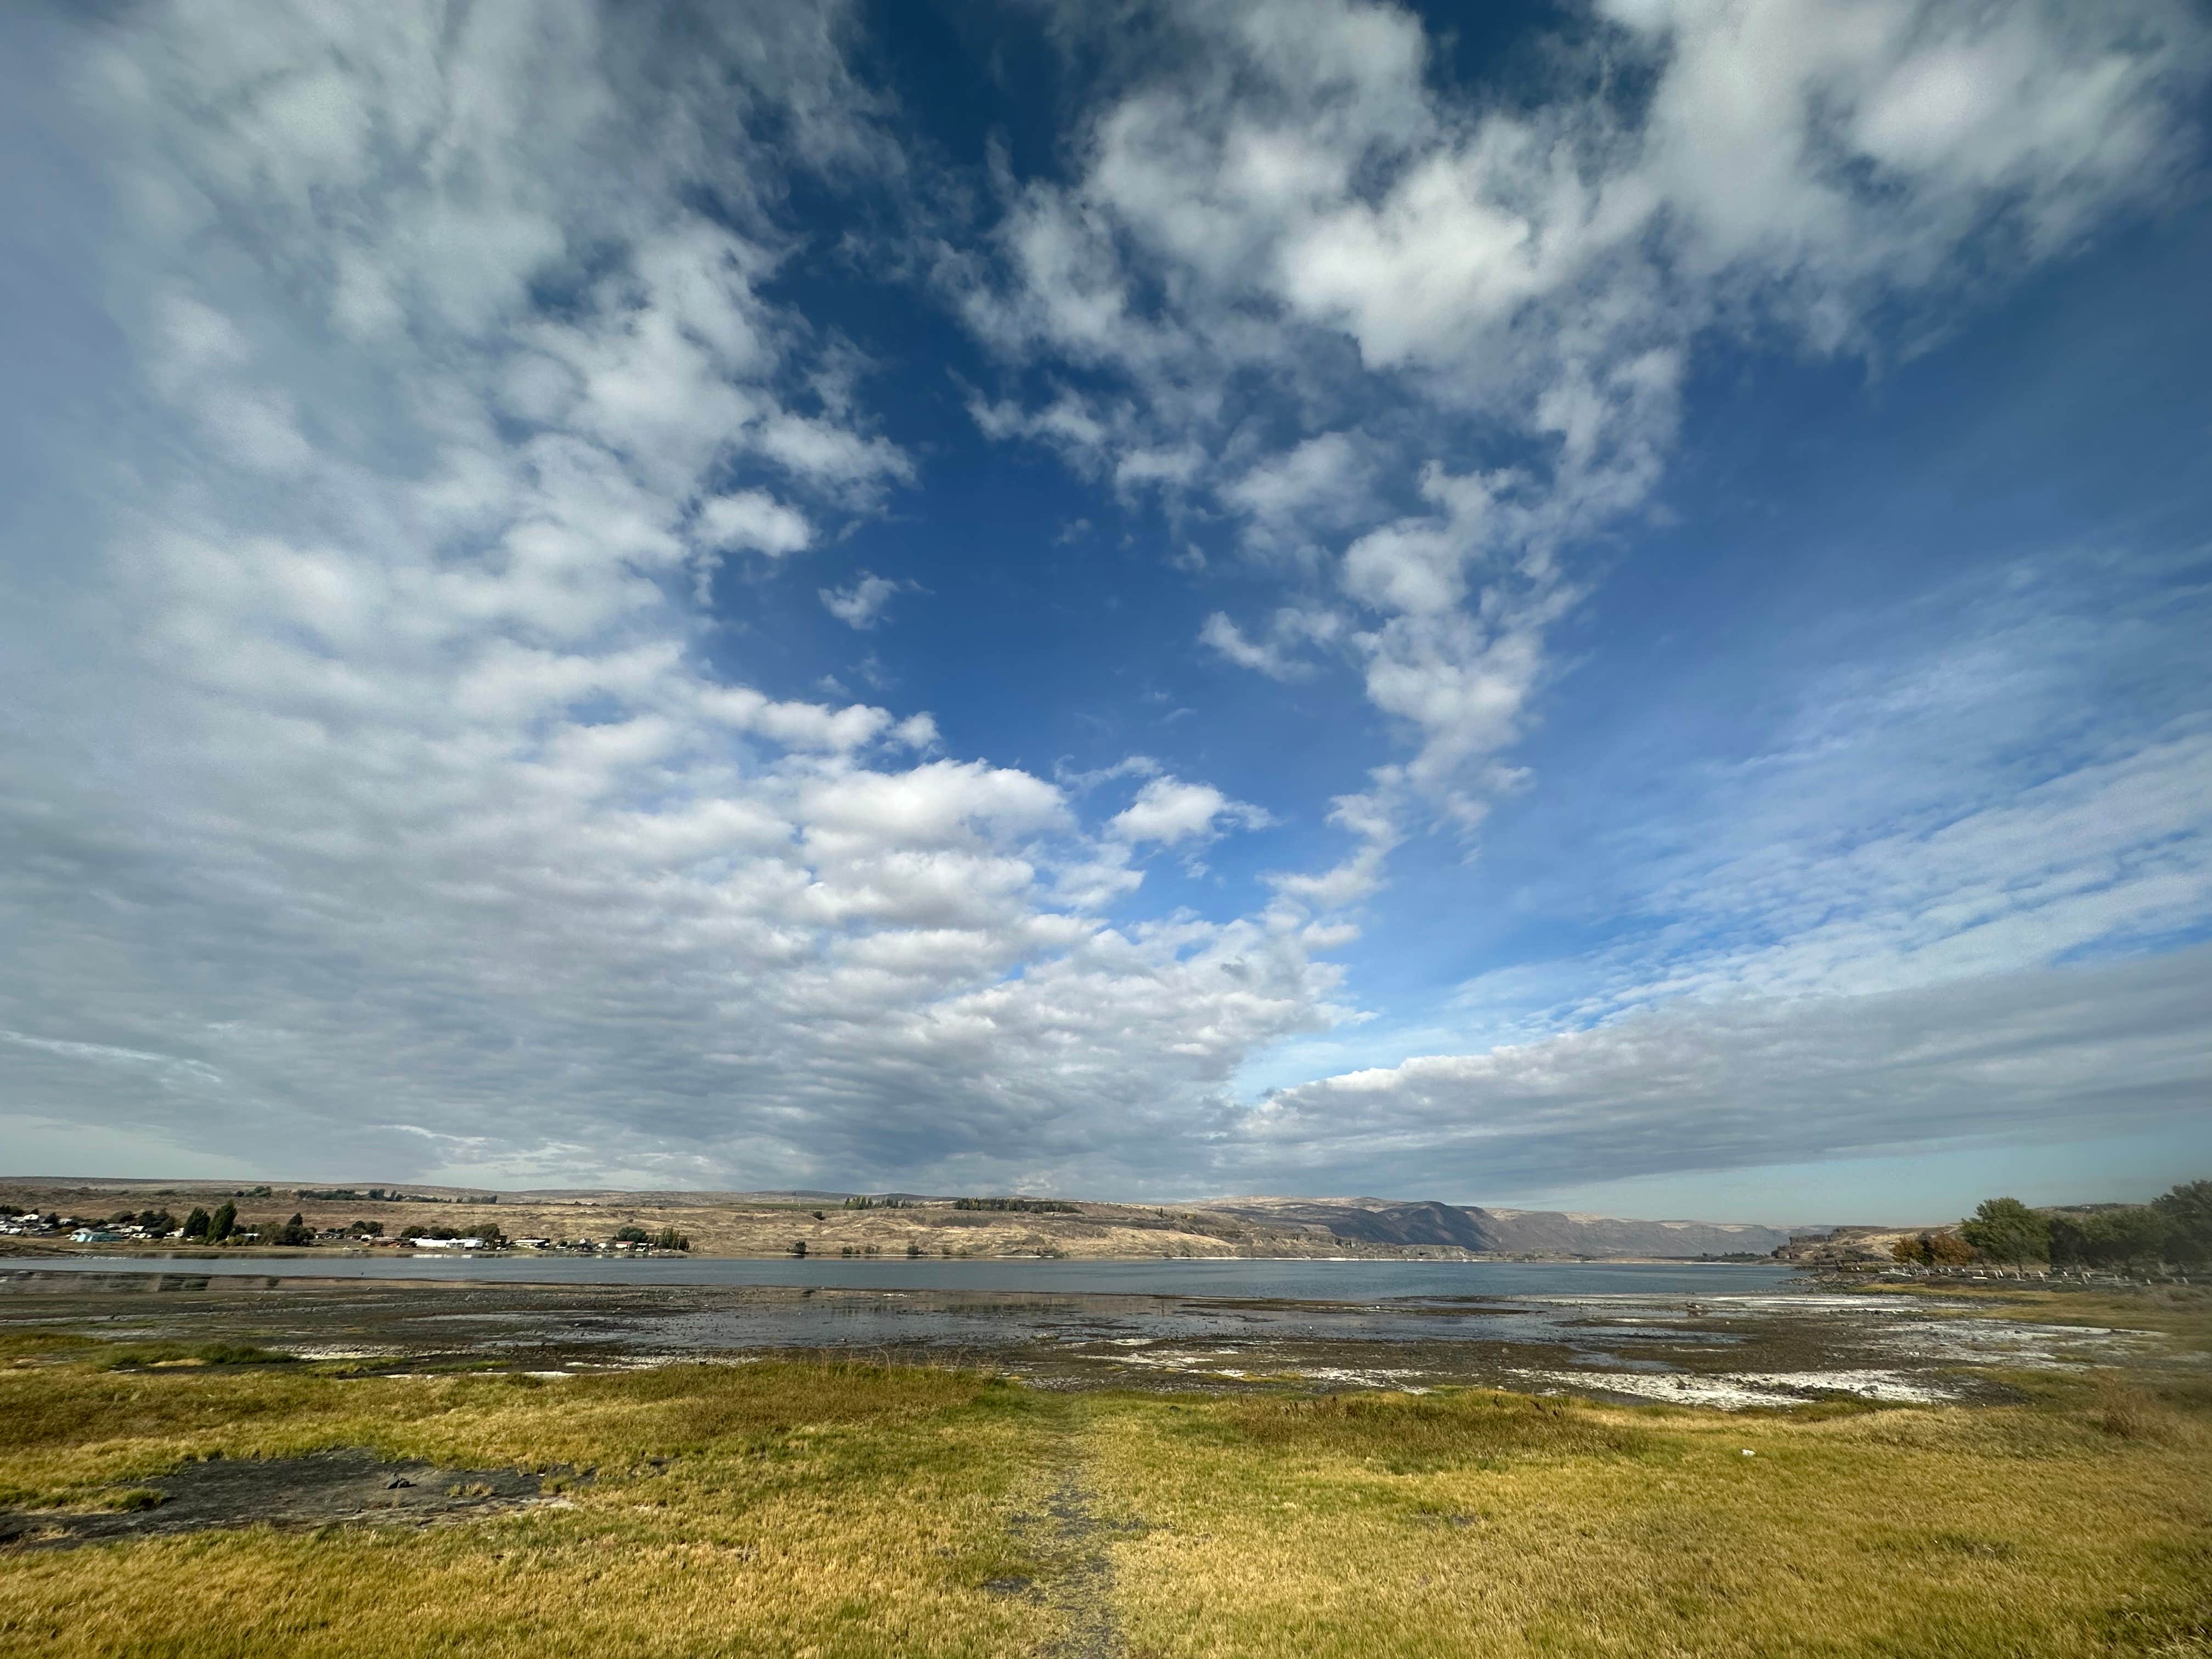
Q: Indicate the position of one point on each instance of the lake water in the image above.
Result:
(1236, 1278)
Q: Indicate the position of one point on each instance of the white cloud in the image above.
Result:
(862, 604)
(421, 829)
(1167, 810)
(1749, 1082)
(1913, 914)
(1292, 628)
(381, 801)
(1281, 215)
(754, 520)
(1970, 801)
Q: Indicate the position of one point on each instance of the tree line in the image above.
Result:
(2172, 1230)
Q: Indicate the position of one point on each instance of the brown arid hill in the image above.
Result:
(769, 1223)
(717, 1224)
(1504, 1232)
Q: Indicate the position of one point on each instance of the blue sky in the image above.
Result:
(1590, 604)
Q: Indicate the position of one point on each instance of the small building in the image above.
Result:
(449, 1243)
(94, 1236)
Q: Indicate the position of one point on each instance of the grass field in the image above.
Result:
(788, 1508)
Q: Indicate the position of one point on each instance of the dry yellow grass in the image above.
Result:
(804, 1509)
(796, 1508)
(1497, 1525)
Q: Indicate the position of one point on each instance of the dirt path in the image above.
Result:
(1082, 1592)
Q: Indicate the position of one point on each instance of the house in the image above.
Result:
(449, 1243)
(94, 1236)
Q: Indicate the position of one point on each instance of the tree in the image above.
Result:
(223, 1222)
(632, 1236)
(1947, 1249)
(2138, 1235)
(798, 1247)
(367, 1230)
(294, 1232)
(196, 1223)
(2141, 1236)
(490, 1234)
(670, 1239)
(2006, 1230)
(2187, 1212)
(1934, 1249)
(2071, 1243)
(157, 1221)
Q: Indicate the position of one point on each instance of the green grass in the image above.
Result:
(795, 1508)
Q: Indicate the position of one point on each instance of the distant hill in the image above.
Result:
(773, 1223)
(1503, 1232)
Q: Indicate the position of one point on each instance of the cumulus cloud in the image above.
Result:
(862, 604)
(753, 520)
(390, 815)
(380, 794)
(1283, 220)
(1167, 810)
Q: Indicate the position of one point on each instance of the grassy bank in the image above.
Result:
(796, 1508)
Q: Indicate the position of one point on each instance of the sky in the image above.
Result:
(1600, 604)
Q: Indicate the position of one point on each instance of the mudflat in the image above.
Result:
(1764, 1347)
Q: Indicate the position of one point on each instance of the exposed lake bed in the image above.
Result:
(1431, 1461)
(1726, 1339)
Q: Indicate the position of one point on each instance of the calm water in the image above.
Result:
(1300, 1281)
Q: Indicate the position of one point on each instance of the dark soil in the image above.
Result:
(330, 1488)
(1086, 1592)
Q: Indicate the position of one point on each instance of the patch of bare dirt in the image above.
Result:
(331, 1488)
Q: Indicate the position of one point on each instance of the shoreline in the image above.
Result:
(1654, 1341)
(13, 1250)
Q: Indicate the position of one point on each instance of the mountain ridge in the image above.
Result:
(1503, 1231)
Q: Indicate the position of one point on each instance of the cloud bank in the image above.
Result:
(386, 789)
(407, 820)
